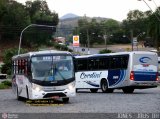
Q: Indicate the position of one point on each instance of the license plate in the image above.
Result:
(55, 97)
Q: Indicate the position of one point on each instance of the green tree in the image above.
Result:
(90, 31)
(38, 10)
(112, 29)
(82, 31)
(97, 30)
(13, 19)
(154, 28)
(137, 21)
(7, 55)
(110, 25)
(39, 14)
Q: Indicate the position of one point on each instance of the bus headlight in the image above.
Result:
(71, 86)
(36, 87)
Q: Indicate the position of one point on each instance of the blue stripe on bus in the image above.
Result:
(144, 76)
(122, 77)
(116, 76)
(92, 84)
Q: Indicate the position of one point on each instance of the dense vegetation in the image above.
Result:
(5, 84)
(143, 25)
(105, 51)
(15, 17)
(9, 53)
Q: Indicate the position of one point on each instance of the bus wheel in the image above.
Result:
(27, 93)
(17, 95)
(76, 90)
(104, 87)
(65, 100)
(93, 90)
(128, 90)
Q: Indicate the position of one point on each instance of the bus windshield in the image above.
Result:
(52, 68)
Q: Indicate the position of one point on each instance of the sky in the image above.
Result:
(115, 9)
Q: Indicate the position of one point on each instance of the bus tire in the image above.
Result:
(65, 100)
(104, 87)
(17, 95)
(27, 93)
(128, 90)
(93, 90)
(76, 90)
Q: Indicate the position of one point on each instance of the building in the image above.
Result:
(60, 40)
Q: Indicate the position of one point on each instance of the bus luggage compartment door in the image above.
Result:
(145, 76)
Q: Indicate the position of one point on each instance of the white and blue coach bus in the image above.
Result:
(122, 70)
(43, 75)
(159, 68)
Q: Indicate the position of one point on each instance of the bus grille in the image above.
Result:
(52, 90)
(49, 95)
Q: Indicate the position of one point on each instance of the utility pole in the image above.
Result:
(158, 18)
(39, 25)
(132, 38)
(88, 43)
(151, 8)
(105, 38)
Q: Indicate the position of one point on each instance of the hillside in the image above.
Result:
(69, 15)
(69, 22)
(73, 21)
(66, 26)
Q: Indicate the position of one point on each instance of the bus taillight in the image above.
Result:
(157, 76)
(132, 75)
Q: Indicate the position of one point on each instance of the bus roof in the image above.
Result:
(29, 54)
(117, 53)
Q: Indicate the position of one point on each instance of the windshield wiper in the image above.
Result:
(48, 74)
(60, 74)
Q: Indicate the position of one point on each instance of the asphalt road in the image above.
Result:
(141, 101)
(113, 48)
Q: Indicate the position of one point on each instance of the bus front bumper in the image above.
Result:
(52, 94)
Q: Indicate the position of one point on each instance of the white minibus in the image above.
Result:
(43, 75)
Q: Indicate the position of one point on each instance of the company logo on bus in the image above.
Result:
(4, 115)
(92, 75)
(145, 59)
(145, 65)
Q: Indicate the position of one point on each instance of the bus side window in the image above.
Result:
(120, 62)
(124, 62)
(25, 66)
(96, 64)
(112, 63)
(81, 64)
(19, 66)
(75, 64)
(103, 63)
(13, 67)
(16, 67)
(29, 67)
(115, 63)
(90, 64)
